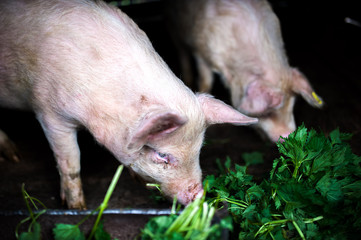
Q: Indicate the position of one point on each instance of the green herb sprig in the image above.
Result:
(193, 223)
(66, 231)
(313, 192)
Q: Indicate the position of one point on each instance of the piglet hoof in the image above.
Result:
(77, 205)
(8, 149)
(74, 202)
(72, 193)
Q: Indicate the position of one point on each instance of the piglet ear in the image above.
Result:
(300, 85)
(260, 98)
(217, 111)
(155, 126)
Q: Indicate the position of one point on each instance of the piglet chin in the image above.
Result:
(194, 191)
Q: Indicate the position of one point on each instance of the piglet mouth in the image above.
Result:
(193, 192)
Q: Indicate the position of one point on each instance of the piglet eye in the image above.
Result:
(162, 157)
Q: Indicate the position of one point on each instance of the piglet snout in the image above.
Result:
(279, 137)
(191, 193)
(285, 135)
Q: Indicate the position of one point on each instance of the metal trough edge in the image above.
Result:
(121, 211)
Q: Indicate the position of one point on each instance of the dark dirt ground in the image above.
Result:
(318, 42)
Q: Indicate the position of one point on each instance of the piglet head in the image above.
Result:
(274, 105)
(166, 145)
(261, 98)
(278, 123)
(160, 154)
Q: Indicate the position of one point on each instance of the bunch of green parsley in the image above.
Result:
(193, 223)
(313, 191)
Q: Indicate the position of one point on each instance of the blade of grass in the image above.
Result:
(209, 218)
(154, 185)
(18, 226)
(173, 211)
(25, 196)
(104, 204)
(204, 215)
(33, 217)
(298, 230)
(184, 218)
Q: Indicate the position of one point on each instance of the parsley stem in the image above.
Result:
(173, 211)
(154, 185)
(295, 171)
(265, 227)
(237, 202)
(26, 197)
(185, 217)
(104, 204)
(88, 216)
(311, 220)
(298, 230)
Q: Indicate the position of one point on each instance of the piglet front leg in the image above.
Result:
(62, 137)
(8, 149)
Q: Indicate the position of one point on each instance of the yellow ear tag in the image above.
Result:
(316, 98)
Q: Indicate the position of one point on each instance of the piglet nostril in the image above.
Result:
(198, 195)
(196, 191)
(193, 192)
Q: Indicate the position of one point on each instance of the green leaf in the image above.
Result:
(101, 234)
(339, 156)
(335, 137)
(255, 192)
(250, 211)
(67, 232)
(330, 188)
(274, 167)
(209, 182)
(321, 163)
(220, 166)
(159, 224)
(300, 135)
(226, 223)
(253, 158)
(227, 164)
(353, 189)
(34, 235)
(296, 195)
(312, 231)
(278, 203)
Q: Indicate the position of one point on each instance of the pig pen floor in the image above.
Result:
(318, 42)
